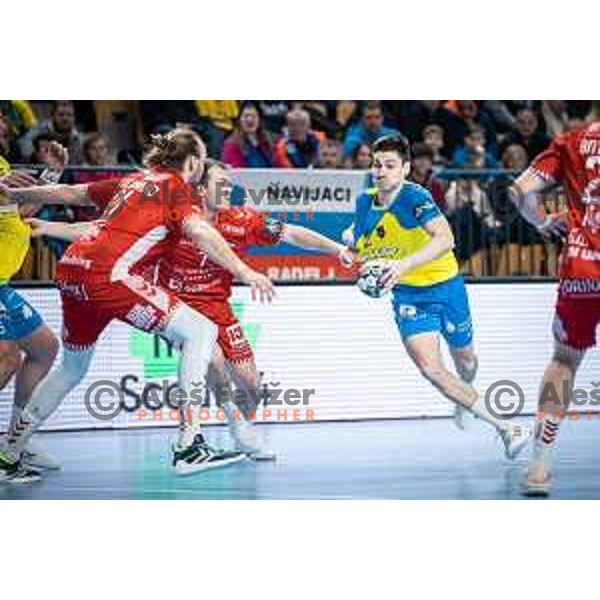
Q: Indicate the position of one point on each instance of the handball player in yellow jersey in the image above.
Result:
(27, 345)
(399, 227)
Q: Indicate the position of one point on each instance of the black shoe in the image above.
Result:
(14, 471)
(199, 456)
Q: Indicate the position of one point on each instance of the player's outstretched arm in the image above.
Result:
(525, 195)
(210, 241)
(45, 194)
(68, 232)
(440, 242)
(302, 237)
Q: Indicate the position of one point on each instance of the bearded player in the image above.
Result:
(399, 227)
(206, 287)
(573, 161)
(148, 212)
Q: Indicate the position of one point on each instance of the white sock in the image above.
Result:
(546, 433)
(47, 397)
(481, 410)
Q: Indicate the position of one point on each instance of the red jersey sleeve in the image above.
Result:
(549, 163)
(262, 229)
(102, 193)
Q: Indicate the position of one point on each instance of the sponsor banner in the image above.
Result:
(328, 343)
(300, 190)
(315, 267)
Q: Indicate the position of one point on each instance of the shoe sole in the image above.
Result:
(186, 469)
(45, 467)
(536, 490)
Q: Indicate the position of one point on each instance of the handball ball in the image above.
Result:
(369, 281)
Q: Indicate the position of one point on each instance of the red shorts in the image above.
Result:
(575, 319)
(90, 304)
(231, 337)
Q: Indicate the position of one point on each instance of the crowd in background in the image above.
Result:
(321, 134)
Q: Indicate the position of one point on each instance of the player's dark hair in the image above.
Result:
(393, 143)
(172, 149)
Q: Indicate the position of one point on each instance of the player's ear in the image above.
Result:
(406, 168)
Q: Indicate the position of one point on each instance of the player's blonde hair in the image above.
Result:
(172, 149)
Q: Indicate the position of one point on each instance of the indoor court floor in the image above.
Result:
(396, 459)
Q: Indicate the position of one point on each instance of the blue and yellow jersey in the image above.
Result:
(14, 236)
(398, 230)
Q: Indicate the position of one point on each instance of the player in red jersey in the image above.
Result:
(148, 213)
(206, 287)
(573, 161)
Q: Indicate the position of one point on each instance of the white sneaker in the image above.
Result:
(538, 486)
(250, 443)
(200, 456)
(515, 438)
(35, 455)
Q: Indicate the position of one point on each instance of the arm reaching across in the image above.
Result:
(302, 237)
(68, 232)
(210, 241)
(45, 194)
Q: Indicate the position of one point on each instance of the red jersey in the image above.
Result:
(573, 160)
(143, 219)
(187, 271)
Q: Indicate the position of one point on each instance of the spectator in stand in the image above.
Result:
(299, 147)
(217, 121)
(475, 228)
(527, 134)
(369, 129)
(474, 147)
(433, 138)
(249, 146)
(422, 173)
(331, 155)
(20, 119)
(460, 122)
(62, 125)
(555, 116)
(41, 146)
(361, 158)
(96, 151)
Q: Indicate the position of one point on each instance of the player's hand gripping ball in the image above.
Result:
(369, 280)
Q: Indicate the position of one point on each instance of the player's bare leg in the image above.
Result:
(466, 364)
(10, 361)
(424, 350)
(552, 407)
(240, 414)
(39, 350)
(45, 399)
